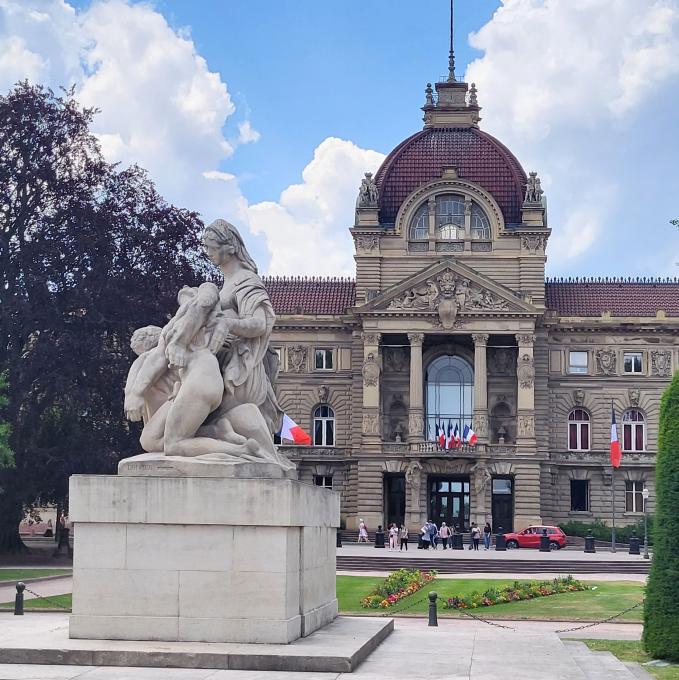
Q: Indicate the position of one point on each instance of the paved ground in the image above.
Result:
(455, 650)
(46, 587)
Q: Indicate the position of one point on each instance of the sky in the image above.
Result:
(268, 113)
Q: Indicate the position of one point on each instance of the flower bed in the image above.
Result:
(396, 586)
(517, 591)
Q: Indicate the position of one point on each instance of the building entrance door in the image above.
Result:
(503, 504)
(449, 501)
(394, 500)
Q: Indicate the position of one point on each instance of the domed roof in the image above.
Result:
(475, 155)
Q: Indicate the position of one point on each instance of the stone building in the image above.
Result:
(450, 319)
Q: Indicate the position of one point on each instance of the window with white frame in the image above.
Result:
(480, 226)
(577, 362)
(578, 430)
(631, 362)
(324, 426)
(634, 498)
(450, 217)
(323, 360)
(633, 430)
(579, 495)
(323, 480)
(419, 227)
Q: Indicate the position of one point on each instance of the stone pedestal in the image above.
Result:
(204, 559)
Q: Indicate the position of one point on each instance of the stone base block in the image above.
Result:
(202, 559)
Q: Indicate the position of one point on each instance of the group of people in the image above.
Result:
(433, 535)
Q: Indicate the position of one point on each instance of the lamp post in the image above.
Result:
(645, 494)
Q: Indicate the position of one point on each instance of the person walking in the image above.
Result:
(362, 532)
(487, 534)
(403, 537)
(444, 534)
(393, 536)
(426, 536)
(433, 533)
(64, 534)
(475, 535)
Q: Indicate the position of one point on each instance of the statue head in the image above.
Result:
(144, 339)
(221, 240)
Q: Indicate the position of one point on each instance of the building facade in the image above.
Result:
(450, 320)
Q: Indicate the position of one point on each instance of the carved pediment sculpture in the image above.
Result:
(606, 361)
(449, 293)
(661, 362)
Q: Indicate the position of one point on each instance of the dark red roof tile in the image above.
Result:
(476, 155)
(619, 297)
(310, 295)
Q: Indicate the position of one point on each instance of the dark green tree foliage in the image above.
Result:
(661, 609)
(88, 253)
(6, 455)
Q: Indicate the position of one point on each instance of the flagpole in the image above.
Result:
(613, 497)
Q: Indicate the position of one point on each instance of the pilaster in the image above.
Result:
(371, 370)
(480, 424)
(416, 414)
(525, 385)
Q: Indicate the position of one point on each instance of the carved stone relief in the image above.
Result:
(395, 359)
(525, 371)
(323, 393)
(634, 396)
(371, 339)
(606, 360)
(481, 424)
(370, 423)
(367, 242)
(415, 423)
(578, 397)
(371, 371)
(526, 425)
(500, 361)
(525, 339)
(661, 362)
(533, 243)
(297, 358)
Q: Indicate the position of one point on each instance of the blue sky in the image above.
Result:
(268, 113)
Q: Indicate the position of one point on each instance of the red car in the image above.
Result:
(530, 538)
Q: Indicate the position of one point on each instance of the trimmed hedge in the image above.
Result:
(602, 531)
(661, 611)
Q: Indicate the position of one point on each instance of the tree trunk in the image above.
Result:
(11, 514)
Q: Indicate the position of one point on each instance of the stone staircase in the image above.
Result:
(603, 665)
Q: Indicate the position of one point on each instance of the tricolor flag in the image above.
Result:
(449, 436)
(442, 435)
(457, 442)
(616, 454)
(292, 431)
(469, 436)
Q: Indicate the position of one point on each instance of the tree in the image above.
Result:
(88, 253)
(6, 455)
(661, 617)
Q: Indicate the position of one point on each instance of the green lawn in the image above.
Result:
(627, 650)
(54, 602)
(23, 574)
(608, 598)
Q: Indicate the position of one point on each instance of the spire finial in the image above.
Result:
(451, 54)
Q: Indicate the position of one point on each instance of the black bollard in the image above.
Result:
(457, 541)
(338, 543)
(500, 543)
(379, 537)
(589, 543)
(433, 619)
(544, 542)
(634, 544)
(19, 599)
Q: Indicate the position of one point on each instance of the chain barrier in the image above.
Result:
(480, 618)
(56, 604)
(406, 607)
(598, 623)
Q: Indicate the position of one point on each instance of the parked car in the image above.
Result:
(530, 538)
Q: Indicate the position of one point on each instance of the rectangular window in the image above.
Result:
(632, 362)
(323, 480)
(579, 495)
(323, 360)
(577, 362)
(634, 499)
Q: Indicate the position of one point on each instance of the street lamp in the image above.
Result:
(645, 494)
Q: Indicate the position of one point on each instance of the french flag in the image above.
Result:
(293, 432)
(449, 436)
(469, 436)
(442, 435)
(457, 442)
(616, 453)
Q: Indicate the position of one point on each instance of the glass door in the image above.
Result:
(449, 501)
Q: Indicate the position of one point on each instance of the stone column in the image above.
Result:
(416, 415)
(480, 424)
(372, 366)
(525, 385)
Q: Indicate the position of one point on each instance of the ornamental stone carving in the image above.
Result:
(525, 371)
(578, 397)
(395, 359)
(415, 338)
(533, 189)
(634, 395)
(367, 242)
(297, 358)
(533, 243)
(526, 425)
(449, 294)
(500, 361)
(323, 393)
(370, 423)
(525, 339)
(481, 425)
(480, 338)
(371, 339)
(415, 424)
(413, 477)
(606, 360)
(368, 194)
(371, 371)
(661, 363)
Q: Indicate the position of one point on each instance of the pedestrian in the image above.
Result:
(362, 532)
(475, 536)
(64, 534)
(393, 536)
(487, 534)
(426, 536)
(433, 533)
(444, 533)
(49, 531)
(403, 537)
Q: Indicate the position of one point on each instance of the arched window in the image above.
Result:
(633, 431)
(419, 227)
(578, 430)
(449, 394)
(450, 217)
(480, 223)
(324, 426)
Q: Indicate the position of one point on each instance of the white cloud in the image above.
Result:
(246, 133)
(307, 229)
